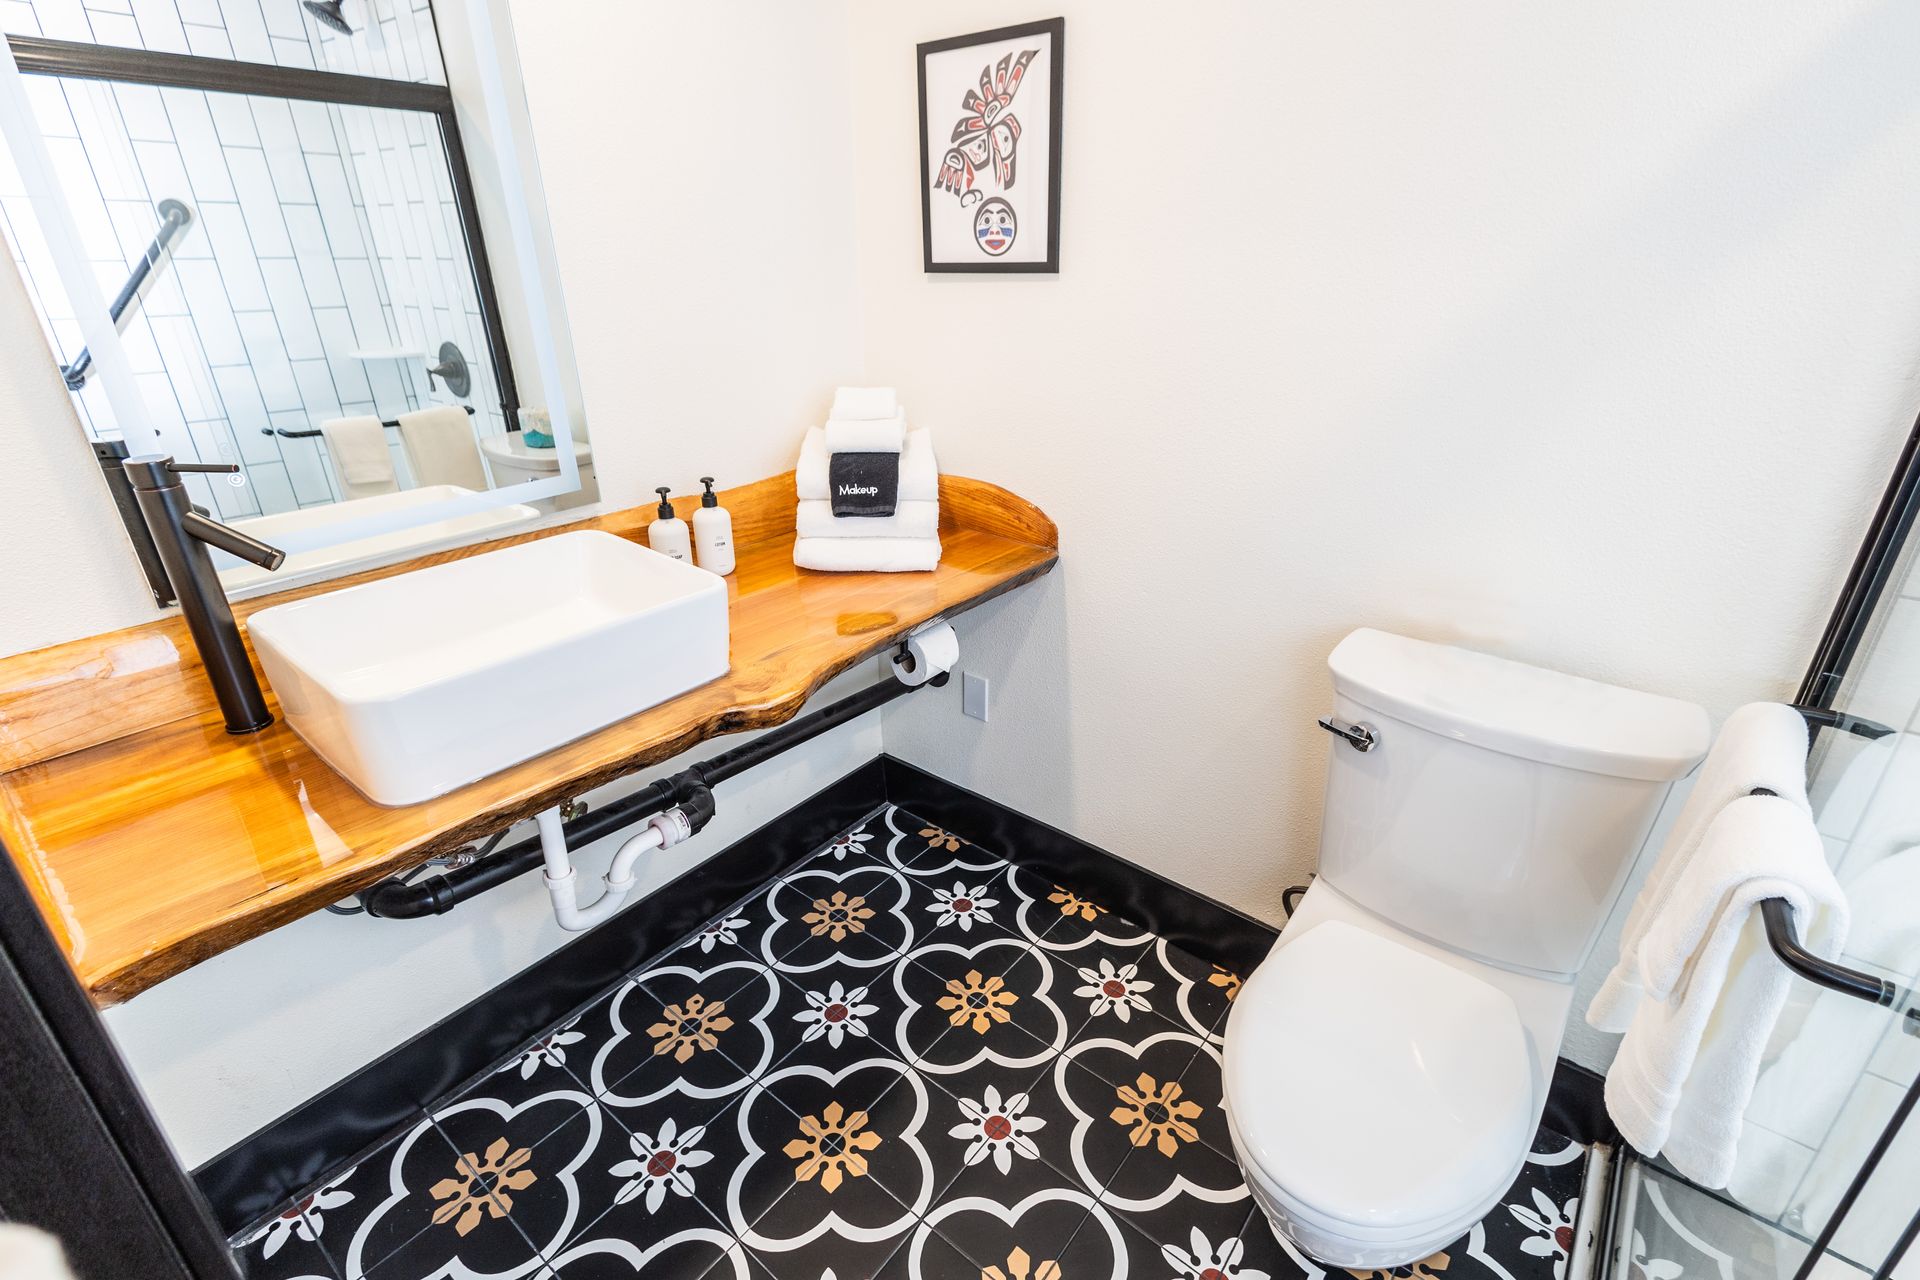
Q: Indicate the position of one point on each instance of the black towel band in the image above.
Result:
(863, 484)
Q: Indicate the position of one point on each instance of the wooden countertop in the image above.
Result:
(153, 840)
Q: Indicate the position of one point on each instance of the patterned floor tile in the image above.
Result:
(995, 1221)
(907, 1057)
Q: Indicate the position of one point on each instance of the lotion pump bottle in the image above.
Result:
(713, 532)
(668, 534)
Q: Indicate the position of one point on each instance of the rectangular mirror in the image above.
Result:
(309, 276)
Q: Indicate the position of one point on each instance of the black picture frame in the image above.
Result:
(1055, 29)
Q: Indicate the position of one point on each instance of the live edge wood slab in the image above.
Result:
(154, 840)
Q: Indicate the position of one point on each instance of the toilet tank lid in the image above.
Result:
(1521, 710)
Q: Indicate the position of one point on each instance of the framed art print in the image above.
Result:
(990, 149)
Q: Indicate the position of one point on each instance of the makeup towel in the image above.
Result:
(919, 472)
(867, 435)
(441, 449)
(1680, 1085)
(1762, 745)
(361, 462)
(863, 484)
(909, 520)
(862, 404)
(877, 555)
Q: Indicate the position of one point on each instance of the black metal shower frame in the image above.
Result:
(1867, 582)
(37, 55)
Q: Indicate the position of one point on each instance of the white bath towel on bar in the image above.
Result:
(909, 520)
(361, 461)
(874, 555)
(1763, 744)
(441, 448)
(858, 404)
(919, 470)
(1680, 1084)
(867, 435)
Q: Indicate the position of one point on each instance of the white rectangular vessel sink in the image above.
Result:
(426, 681)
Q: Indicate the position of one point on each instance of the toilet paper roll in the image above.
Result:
(930, 651)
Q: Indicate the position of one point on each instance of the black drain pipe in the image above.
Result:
(691, 789)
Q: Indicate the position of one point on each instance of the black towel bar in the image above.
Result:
(285, 434)
(1777, 913)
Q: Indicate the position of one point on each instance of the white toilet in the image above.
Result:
(1387, 1064)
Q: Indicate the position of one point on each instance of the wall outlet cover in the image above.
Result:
(973, 695)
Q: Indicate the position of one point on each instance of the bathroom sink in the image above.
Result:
(425, 681)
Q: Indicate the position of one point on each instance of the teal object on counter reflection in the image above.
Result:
(536, 428)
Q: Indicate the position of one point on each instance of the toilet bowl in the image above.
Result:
(1387, 1065)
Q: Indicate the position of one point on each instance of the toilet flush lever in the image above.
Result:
(1359, 736)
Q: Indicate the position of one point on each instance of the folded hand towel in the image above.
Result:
(909, 520)
(867, 435)
(876, 555)
(864, 484)
(919, 472)
(1762, 745)
(1685, 1071)
(441, 448)
(361, 462)
(857, 404)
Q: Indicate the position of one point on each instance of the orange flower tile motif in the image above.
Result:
(832, 1146)
(1227, 981)
(1020, 1266)
(693, 1027)
(940, 838)
(839, 916)
(1072, 904)
(466, 1193)
(982, 1001)
(1157, 1114)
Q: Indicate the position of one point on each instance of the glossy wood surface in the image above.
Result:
(153, 840)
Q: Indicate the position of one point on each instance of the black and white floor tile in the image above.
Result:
(908, 1057)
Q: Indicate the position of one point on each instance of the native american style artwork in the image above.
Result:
(991, 172)
(988, 131)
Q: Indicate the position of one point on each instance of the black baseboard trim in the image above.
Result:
(256, 1175)
(261, 1172)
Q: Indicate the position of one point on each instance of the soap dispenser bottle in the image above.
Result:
(713, 532)
(668, 534)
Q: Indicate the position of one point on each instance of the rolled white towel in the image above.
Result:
(867, 435)
(860, 404)
(909, 520)
(919, 470)
(872, 555)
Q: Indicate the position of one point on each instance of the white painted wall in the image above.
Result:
(1584, 335)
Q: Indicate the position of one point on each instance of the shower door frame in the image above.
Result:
(38, 55)
(1860, 596)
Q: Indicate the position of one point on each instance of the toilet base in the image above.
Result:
(1328, 1245)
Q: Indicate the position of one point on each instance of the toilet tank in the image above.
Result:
(1501, 805)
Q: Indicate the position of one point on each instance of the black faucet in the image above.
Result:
(182, 532)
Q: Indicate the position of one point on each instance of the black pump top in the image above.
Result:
(707, 499)
(665, 511)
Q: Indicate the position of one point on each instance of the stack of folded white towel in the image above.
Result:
(868, 420)
(1697, 990)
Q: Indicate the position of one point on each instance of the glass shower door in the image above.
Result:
(1828, 1178)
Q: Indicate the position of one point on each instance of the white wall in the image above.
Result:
(1585, 335)
(708, 265)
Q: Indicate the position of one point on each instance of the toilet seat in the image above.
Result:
(1376, 1094)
